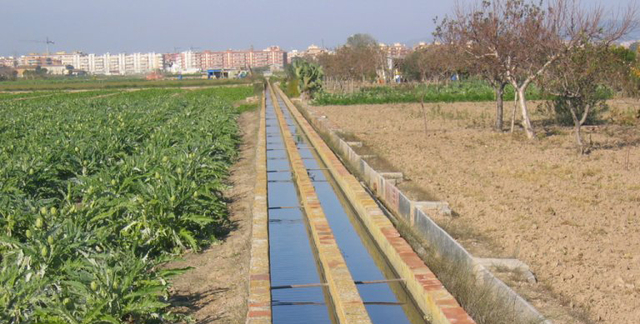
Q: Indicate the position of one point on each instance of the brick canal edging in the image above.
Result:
(347, 303)
(408, 212)
(259, 303)
(433, 299)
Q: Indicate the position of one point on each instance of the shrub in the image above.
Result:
(562, 112)
(292, 88)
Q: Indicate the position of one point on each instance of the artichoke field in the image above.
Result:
(97, 193)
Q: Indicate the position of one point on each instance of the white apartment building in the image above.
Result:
(107, 64)
(312, 51)
(7, 61)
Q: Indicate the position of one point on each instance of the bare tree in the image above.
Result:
(489, 70)
(359, 58)
(471, 37)
(524, 39)
(361, 62)
(433, 62)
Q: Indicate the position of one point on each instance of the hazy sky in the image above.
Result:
(162, 25)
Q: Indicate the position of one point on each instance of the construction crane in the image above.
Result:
(47, 41)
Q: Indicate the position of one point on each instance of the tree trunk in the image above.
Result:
(526, 121)
(579, 138)
(513, 111)
(500, 106)
(578, 125)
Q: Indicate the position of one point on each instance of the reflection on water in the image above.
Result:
(291, 257)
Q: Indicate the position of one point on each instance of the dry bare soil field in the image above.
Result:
(574, 219)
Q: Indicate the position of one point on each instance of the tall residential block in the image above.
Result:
(107, 64)
(230, 59)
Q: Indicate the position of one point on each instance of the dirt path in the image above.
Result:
(215, 291)
(575, 220)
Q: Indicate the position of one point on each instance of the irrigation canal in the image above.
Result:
(314, 248)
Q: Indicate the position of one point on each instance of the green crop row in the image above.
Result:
(112, 83)
(18, 95)
(463, 91)
(97, 193)
(48, 94)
